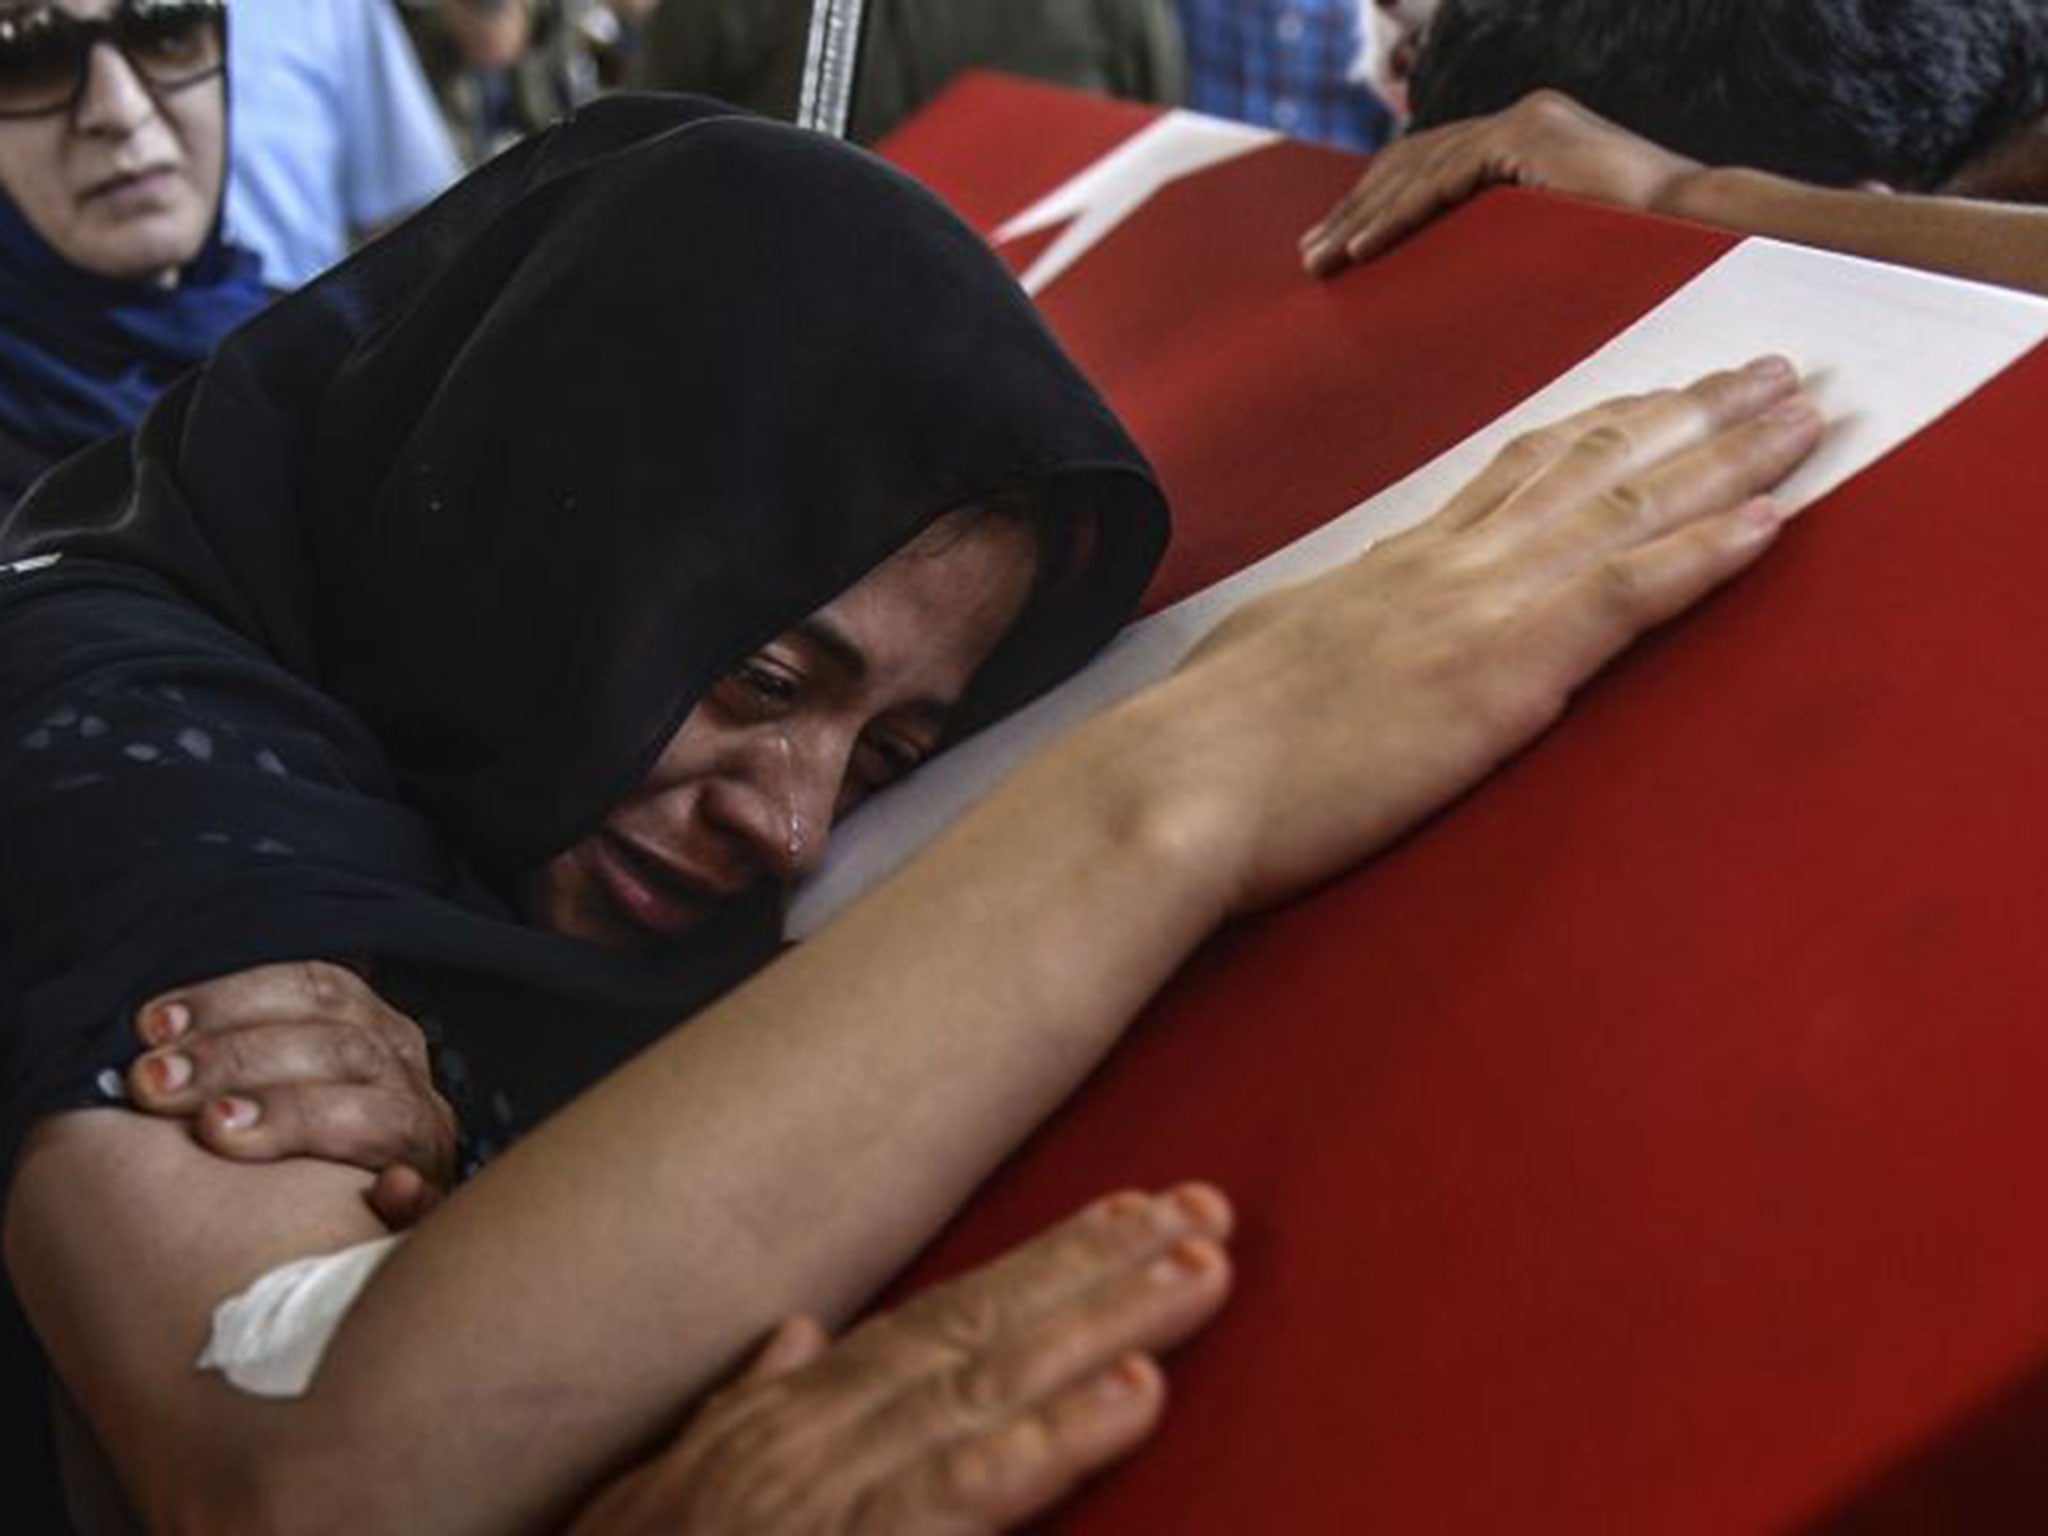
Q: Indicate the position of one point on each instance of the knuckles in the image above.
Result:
(1607, 445)
(330, 989)
(359, 1056)
(960, 1318)
(1531, 451)
(1626, 508)
(1545, 108)
(978, 1387)
(970, 1473)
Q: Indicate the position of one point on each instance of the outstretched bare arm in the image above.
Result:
(1550, 141)
(800, 1138)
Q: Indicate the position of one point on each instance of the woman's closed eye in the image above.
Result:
(880, 758)
(769, 688)
(883, 758)
(759, 688)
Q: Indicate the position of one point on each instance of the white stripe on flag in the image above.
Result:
(1098, 200)
(1887, 351)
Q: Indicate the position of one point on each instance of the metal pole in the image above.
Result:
(831, 66)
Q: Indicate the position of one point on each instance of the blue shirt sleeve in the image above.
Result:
(334, 130)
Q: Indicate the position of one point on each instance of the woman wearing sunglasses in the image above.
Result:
(114, 277)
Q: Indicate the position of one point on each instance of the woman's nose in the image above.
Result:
(812, 775)
(114, 101)
(784, 808)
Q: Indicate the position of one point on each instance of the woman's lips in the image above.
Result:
(651, 895)
(132, 189)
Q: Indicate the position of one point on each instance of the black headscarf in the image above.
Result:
(408, 585)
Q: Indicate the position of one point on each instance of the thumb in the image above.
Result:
(402, 1196)
(794, 1344)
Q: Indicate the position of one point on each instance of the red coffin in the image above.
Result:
(1644, 1147)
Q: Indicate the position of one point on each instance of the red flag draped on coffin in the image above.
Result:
(1646, 1145)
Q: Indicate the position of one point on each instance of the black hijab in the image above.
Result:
(408, 585)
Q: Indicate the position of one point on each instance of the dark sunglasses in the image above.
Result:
(45, 52)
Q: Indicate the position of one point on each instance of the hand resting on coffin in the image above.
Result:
(1545, 140)
(1549, 141)
(1318, 722)
(972, 1408)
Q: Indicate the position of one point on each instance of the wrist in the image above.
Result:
(1724, 195)
(1167, 802)
(1688, 195)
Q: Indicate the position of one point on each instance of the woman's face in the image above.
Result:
(793, 738)
(123, 184)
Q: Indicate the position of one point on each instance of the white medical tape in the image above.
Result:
(269, 1339)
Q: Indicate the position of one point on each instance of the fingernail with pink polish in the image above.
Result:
(166, 1022)
(235, 1114)
(172, 1071)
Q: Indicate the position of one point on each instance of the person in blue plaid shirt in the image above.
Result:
(1286, 64)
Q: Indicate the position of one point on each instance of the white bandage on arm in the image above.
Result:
(269, 1339)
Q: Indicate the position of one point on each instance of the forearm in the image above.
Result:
(2001, 243)
(1547, 140)
(784, 1152)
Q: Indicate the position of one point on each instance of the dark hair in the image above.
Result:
(1834, 91)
